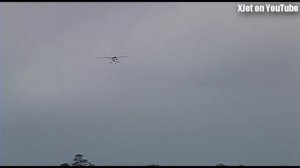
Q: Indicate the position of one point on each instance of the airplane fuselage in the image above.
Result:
(115, 60)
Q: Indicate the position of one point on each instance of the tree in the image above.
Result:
(153, 165)
(220, 164)
(79, 161)
(65, 164)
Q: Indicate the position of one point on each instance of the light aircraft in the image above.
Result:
(114, 59)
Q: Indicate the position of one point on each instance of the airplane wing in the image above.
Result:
(104, 57)
(123, 56)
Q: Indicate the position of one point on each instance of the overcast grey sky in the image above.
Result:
(205, 85)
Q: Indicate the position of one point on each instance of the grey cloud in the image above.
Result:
(205, 85)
